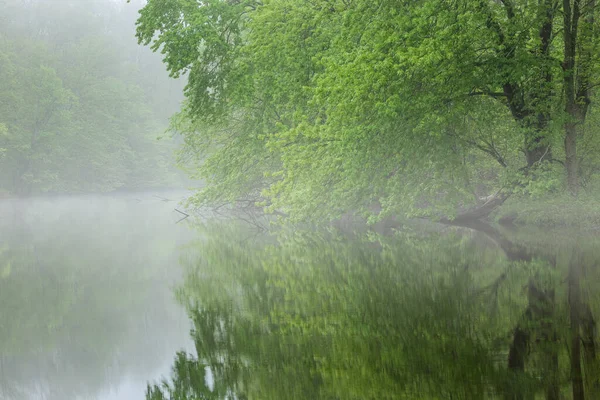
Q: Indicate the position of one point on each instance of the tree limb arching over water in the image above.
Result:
(320, 108)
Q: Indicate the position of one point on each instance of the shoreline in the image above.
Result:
(83, 194)
(561, 211)
(555, 212)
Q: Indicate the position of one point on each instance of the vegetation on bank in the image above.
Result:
(318, 108)
(560, 211)
(81, 105)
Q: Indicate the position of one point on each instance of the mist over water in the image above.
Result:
(101, 296)
(87, 309)
(394, 200)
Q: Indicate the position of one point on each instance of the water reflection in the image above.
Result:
(86, 303)
(458, 314)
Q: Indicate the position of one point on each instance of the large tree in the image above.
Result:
(314, 108)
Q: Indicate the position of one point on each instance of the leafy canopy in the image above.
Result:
(316, 108)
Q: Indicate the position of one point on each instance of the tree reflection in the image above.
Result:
(452, 315)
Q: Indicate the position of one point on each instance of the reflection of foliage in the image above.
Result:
(315, 316)
(189, 378)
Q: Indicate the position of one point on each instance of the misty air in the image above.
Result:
(299, 199)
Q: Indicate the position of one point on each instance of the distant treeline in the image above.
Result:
(81, 105)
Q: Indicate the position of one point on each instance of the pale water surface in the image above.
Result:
(87, 309)
(102, 295)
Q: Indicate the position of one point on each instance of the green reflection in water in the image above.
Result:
(453, 315)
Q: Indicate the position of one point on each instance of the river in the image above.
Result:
(86, 295)
(102, 296)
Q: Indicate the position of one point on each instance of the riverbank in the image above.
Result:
(554, 211)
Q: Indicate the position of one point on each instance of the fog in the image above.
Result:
(86, 305)
(81, 104)
(299, 199)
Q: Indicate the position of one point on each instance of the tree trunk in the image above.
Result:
(575, 317)
(536, 148)
(571, 21)
(477, 212)
(590, 361)
(571, 162)
(579, 40)
(516, 360)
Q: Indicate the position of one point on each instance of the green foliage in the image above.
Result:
(82, 105)
(542, 181)
(557, 210)
(199, 41)
(318, 108)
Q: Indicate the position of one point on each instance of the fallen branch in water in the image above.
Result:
(181, 212)
(162, 198)
(185, 215)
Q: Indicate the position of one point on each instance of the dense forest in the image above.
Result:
(81, 105)
(316, 108)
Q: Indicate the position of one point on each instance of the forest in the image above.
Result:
(314, 109)
(81, 105)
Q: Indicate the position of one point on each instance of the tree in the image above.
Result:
(83, 103)
(38, 113)
(318, 108)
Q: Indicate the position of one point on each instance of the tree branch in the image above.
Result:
(510, 11)
(491, 94)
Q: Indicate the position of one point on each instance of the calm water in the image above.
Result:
(101, 296)
(86, 302)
